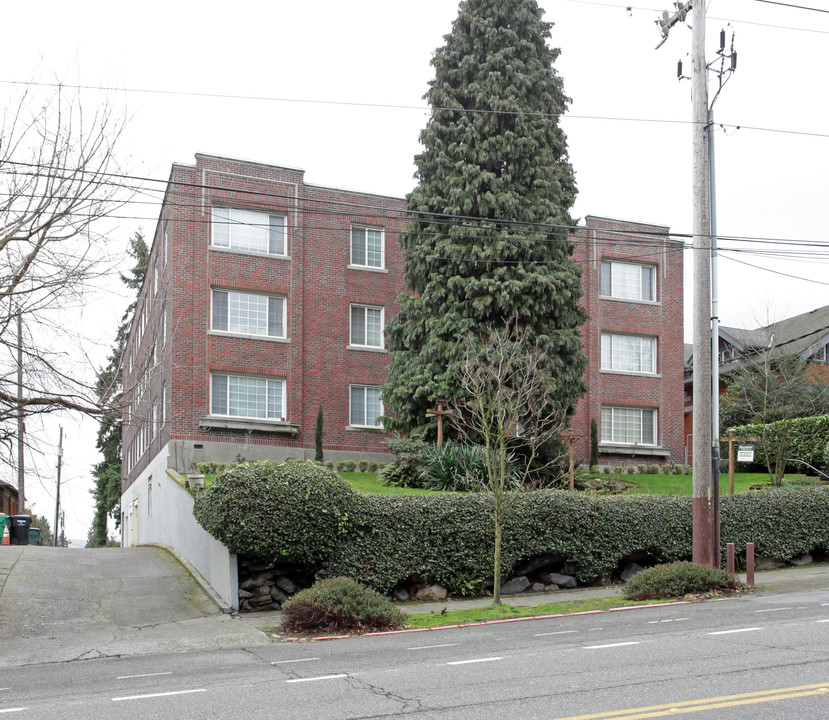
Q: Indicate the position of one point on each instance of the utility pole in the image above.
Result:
(21, 425)
(706, 447)
(57, 499)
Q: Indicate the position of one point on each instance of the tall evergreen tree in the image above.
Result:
(107, 473)
(489, 243)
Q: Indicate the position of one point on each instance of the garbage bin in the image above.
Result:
(5, 530)
(19, 530)
(35, 536)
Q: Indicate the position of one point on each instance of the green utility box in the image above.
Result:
(35, 536)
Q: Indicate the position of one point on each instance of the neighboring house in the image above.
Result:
(266, 298)
(806, 335)
(8, 499)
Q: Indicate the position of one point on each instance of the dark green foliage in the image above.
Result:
(677, 580)
(292, 512)
(490, 244)
(318, 435)
(107, 473)
(411, 459)
(594, 442)
(458, 467)
(340, 604)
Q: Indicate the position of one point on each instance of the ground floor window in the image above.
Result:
(624, 425)
(247, 396)
(365, 406)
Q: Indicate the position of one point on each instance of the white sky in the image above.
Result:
(306, 67)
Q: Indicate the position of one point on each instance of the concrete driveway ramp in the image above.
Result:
(62, 604)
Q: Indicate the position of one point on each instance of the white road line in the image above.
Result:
(738, 630)
(429, 647)
(154, 695)
(476, 660)
(314, 679)
(285, 662)
(8, 710)
(827, 620)
(559, 632)
(611, 645)
(128, 677)
(773, 610)
(657, 622)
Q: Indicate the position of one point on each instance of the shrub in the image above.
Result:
(340, 604)
(688, 470)
(372, 466)
(607, 470)
(642, 469)
(457, 467)
(594, 469)
(679, 469)
(350, 465)
(630, 469)
(654, 469)
(291, 512)
(677, 580)
(406, 470)
(210, 468)
(363, 466)
(329, 464)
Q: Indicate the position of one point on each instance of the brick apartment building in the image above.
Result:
(265, 299)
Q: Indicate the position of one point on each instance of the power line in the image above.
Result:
(796, 7)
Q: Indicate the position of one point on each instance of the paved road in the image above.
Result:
(59, 604)
(758, 656)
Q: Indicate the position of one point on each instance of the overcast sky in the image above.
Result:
(336, 88)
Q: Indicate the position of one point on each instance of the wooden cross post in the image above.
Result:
(439, 413)
(571, 438)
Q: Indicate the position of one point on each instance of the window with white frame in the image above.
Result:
(367, 247)
(246, 396)
(628, 281)
(366, 326)
(628, 426)
(628, 353)
(248, 231)
(248, 313)
(365, 406)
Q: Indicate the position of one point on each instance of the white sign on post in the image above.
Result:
(745, 453)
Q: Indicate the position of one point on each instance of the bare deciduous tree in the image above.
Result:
(58, 178)
(507, 382)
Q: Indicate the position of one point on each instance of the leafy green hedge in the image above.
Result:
(302, 513)
(806, 438)
(290, 512)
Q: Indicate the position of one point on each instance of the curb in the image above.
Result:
(487, 622)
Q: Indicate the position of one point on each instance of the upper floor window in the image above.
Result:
(245, 396)
(366, 326)
(628, 426)
(248, 231)
(367, 247)
(248, 313)
(365, 406)
(628, 281)
(628, 353)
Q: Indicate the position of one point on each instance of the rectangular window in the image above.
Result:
(367, 247)
(366, 326)
(248, 231)
(247, 397)
(627, 426)
(628, 353)
(366, 406)
(248, 314)
(629, 281)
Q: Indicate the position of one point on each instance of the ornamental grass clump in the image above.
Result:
(677, 580)
(340, 604)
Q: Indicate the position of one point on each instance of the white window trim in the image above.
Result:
(653, 267)
(229, 333)
(647, 373)
(267, 213)
(356, 266)
(611, 441)
(283, 409)
(378, 426)
(359, 346)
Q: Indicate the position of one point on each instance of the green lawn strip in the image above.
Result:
(683, 484)
(505, 612)
(366, 482)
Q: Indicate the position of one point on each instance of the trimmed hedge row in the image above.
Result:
(807, 438)
(303, 514)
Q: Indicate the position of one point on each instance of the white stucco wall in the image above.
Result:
(163, 515)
